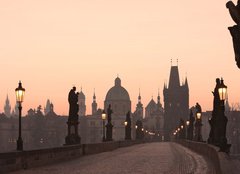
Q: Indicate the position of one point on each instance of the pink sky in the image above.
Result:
(53, 44)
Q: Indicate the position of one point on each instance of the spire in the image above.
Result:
(94, 96)
(186, 83)
(158, 97)
(139, 97)
(94, 104)
(7, 107)
(174, 81)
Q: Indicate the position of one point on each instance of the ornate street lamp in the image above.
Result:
(20, 91)
(125, 123)
(222, 119)
(218, 121)
(222, 91)
(187, 129)
(103, 119)
(198, 123)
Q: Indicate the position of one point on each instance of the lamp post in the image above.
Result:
(20, 91)
(198, 123)
(218, 122)
(222, 91)
(109, 125)
(103, 119)
(128, 124)
(191, 121)
(187, 130)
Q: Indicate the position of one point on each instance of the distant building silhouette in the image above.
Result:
(47, 107)
(154, 117)
(139, 109)
(7, 108)
(81, 103)
(176, 102)
(94, 104)
(119, 99)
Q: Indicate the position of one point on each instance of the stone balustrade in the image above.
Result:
(17, 160)
(222, 162)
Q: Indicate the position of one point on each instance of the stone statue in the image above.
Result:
(198, 108)
(216, 100)
(109, 113)
(73, 137)
(73, 104)
(235, 30)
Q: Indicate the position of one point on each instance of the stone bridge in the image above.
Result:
(133, 158)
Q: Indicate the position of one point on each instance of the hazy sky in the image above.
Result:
(52, 45)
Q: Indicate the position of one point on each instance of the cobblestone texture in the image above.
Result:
(151, 158)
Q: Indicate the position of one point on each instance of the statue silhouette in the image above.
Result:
(73, 104)
(235, 30)
(109, 111)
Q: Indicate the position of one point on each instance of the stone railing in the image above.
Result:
(17, 160)
(221, 161)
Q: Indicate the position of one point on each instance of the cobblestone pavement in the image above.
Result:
(150, 158)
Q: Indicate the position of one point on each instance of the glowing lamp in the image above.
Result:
(199, 115)
(20, 91)
(104, 115)
(222, 91)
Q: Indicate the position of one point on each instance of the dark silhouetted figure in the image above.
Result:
(190, 127)
(109, 125)
(212, 121)
(128, 127)
(139, 130)
(198, 123)
(235, 30)
(73, 137)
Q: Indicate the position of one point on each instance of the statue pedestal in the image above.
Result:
(72, 137)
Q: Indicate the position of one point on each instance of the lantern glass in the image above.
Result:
(181, 126)
(199, 115)
(188, 122)
(125, 123)
(222, 92)
(104, 115)
(20, 91)
(136, 126)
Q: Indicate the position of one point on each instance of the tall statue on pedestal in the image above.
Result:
(234, 11)
(109, 125)
(73, 137)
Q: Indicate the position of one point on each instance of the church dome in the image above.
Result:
(117, 92)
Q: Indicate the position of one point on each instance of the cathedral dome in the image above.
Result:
(117, 92)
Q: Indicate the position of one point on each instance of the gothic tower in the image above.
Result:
(139, 108)
(81, 103)
(7, 108)
(176, 102)
(94, 104)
